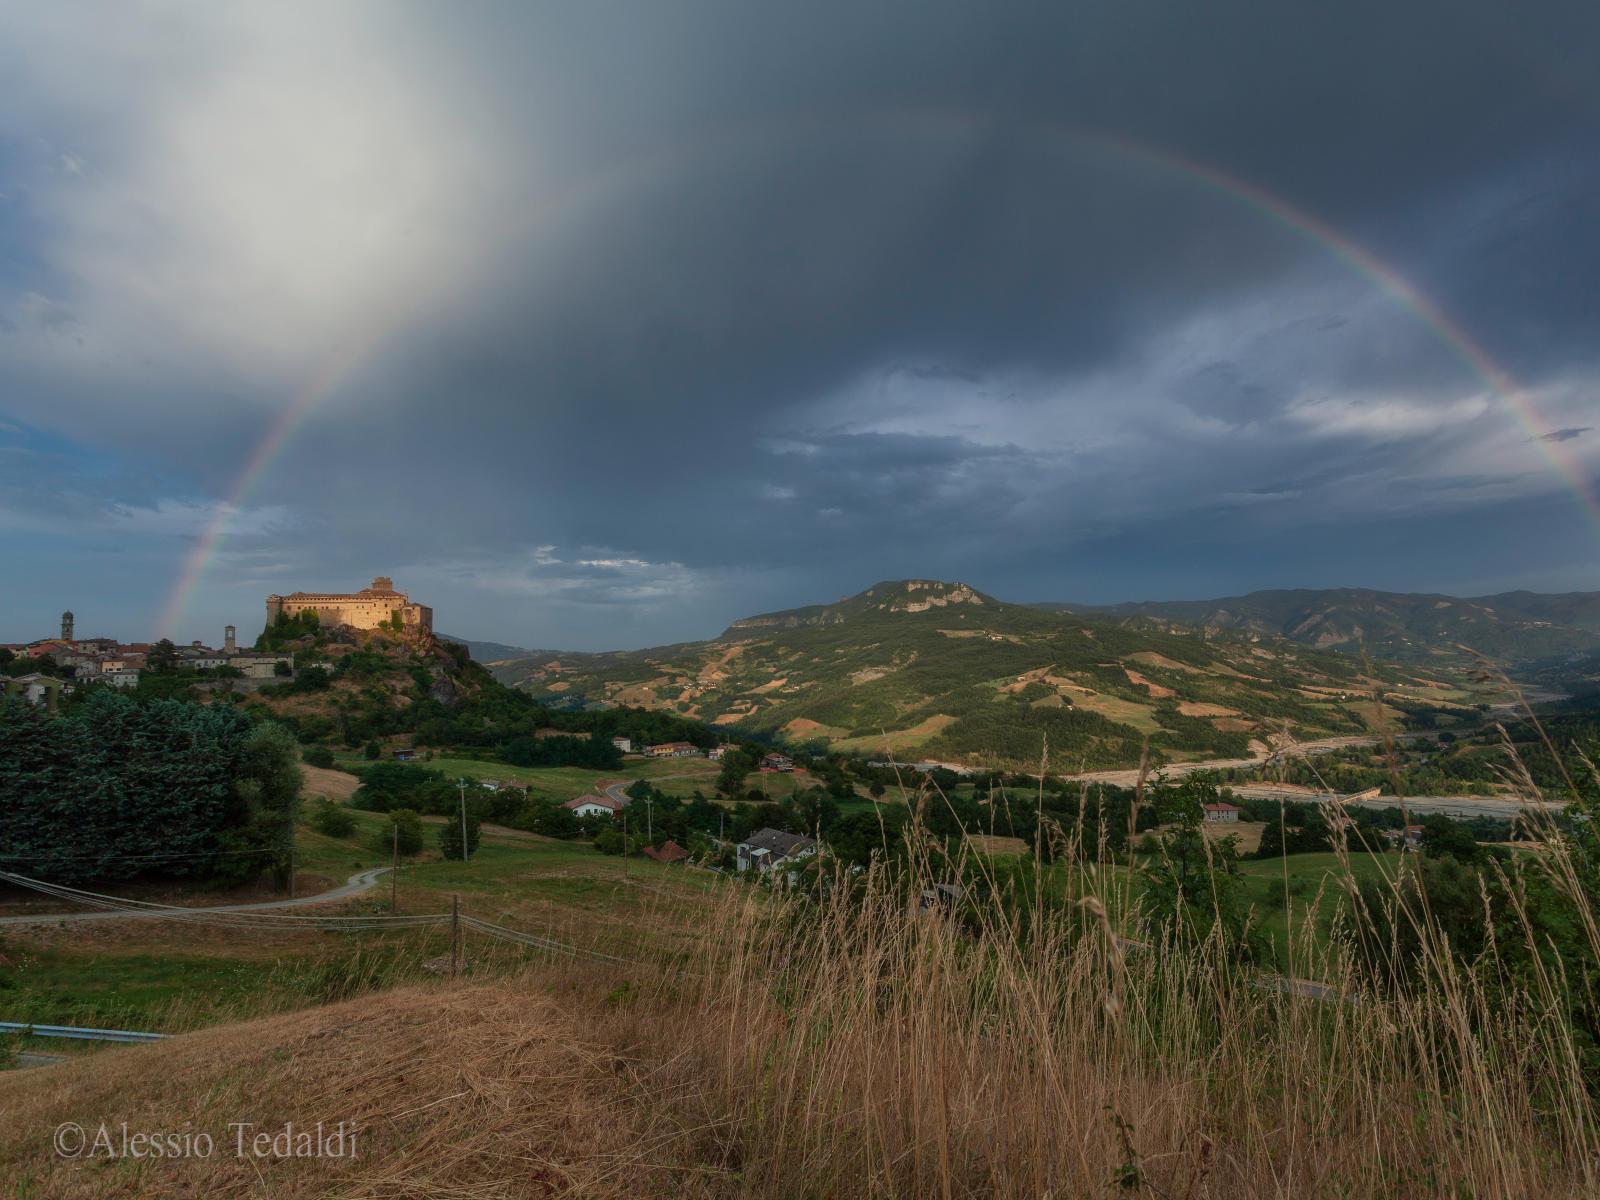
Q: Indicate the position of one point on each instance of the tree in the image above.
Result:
(163, 658)
(409, 825)
(282, 669)
(1195, 890)
(450, 836)
(1444, 838)
(318, 756)
(736, 765)
(373, 750)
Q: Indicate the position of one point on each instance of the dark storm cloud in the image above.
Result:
(629, 307)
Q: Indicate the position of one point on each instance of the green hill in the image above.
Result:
(1519, 629)
(942, 671)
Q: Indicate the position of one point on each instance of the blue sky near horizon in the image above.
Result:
(620, 322)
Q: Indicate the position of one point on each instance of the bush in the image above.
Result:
(317, 756)
(328, 818)
(373, 750)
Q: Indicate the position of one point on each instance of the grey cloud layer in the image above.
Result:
(719, 300)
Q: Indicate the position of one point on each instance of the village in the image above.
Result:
(64, 661)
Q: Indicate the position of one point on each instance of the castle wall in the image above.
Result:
(367, 609)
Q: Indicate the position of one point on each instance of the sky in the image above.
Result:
(600, 325)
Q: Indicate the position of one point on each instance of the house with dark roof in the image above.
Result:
(769, 848)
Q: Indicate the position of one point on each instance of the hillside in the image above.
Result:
(1519, 629)
(952, 674)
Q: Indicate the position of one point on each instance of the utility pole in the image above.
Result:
(649, 820)
(394, 877)
(291, 870)
(455, 930)
(461, 782)
(625, 842)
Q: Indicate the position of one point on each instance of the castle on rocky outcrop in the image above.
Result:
(367, 609)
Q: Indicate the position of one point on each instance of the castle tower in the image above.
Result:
(66, 627)
(228, 645)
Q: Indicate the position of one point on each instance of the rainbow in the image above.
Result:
(333, 371)
(1469, 351)
(324, 382)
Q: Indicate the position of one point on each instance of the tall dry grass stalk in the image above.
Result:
(851, 1043)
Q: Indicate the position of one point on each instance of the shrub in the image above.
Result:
(317, 756)
(328, 818)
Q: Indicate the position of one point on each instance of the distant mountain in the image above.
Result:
(941, 670)
(1516, 628)
(490, 652)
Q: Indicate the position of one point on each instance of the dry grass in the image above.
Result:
(847, 1044)
(492, 1090)
(324, 782)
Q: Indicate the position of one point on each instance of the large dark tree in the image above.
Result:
(122, 789)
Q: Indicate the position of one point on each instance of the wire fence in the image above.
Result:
(256, 918)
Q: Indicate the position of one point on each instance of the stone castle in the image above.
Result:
(367, 609)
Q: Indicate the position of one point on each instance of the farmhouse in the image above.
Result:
(770, 848)
(1222, 812)
(594, 806)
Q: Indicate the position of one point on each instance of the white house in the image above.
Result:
(594, 806)
(1222, 812)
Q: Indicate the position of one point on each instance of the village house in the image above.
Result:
(36, 689)
(776, 762)
(623, 744)
(1222, 811)
(594, 806)
(674, 750)
(767, 849)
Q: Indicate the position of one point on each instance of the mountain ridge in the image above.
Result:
(941, 669)
(1518, 628)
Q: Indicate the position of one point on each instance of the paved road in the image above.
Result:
(355, 885)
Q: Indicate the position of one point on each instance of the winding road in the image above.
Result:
(355, 885)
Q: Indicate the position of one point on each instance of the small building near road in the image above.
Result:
(623, 744)
(1222, 811)
(776, 762)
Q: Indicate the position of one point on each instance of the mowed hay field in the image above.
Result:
(499, 1089)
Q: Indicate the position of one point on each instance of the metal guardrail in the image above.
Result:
(73, 1031)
